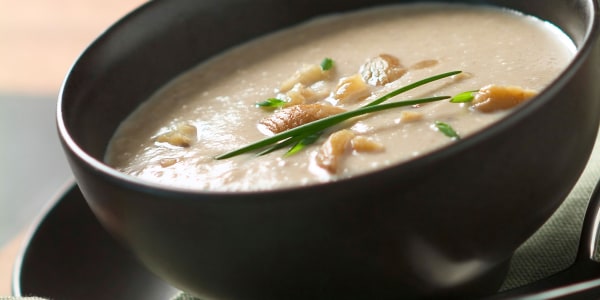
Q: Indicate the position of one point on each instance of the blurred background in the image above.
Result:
(39, 41)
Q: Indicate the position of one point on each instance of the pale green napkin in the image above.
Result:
(554, 246)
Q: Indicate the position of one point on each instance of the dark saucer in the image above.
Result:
(70, 256)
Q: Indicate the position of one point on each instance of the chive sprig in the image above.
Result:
(308, 133)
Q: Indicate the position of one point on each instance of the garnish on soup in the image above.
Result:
(282, 121)
(340, 96)
(381, 70)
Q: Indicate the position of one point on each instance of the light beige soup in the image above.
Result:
(215, 101)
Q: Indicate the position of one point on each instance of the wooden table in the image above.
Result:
(8, 254)
(39, 40)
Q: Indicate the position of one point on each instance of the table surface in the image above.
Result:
(39, 40)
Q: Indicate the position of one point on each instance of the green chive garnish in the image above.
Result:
(297, 135)
(271, 104)
(447, 130)
(463, 97)
(327, 64)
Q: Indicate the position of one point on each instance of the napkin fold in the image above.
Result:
(184, 296)
(554, 246)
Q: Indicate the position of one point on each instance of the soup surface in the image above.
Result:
(327, 66)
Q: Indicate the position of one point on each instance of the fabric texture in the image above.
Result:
(554, 246)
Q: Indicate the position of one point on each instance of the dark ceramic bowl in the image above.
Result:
(443, 225)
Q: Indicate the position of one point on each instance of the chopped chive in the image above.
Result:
(305, 141)
(447, 130)
(271, 104)
(322, 124)
(412, 86)
(327, 64)
(306, 134)
(463, 97)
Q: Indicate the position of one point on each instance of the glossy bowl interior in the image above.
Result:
(442, 225)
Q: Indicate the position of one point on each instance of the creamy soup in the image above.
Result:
(333, 65)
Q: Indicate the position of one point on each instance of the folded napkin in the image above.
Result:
(551, 249)
(184, 296)
(554, 246)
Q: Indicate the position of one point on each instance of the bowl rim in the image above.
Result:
(592, 34)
